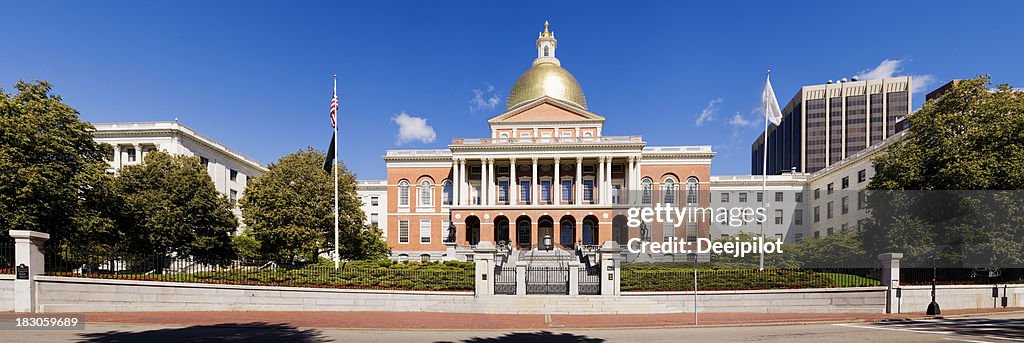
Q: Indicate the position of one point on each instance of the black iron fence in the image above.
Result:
(6, 257)
(961, 276)
(505, 280)
(432, 276)
(547, 280)
(590, 280)
(681, 279)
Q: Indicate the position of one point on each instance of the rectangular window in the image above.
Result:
(691, 231)
(616, 191)
(845, 205)
(667, 232)
(725, 197)
(799, 237)
(828, 210)
(403, 231)
(862, 176)
(862, 198)
(817, 193)
(588, 169)
(778, 217)
(830, 188)
(817, 234)
(845, 182)
(760, 197)
(374, 219)
(817, 214)
(798, 197)
(798, 217)
(566, 191)
(545, 191)
(588, 190)
(743, 197)
(374, 201)
(403, 195)
(778, 197)
(202, 160)
(233, 174)
(233, 197)
(425, 231)
(779, 237)
(131, 155)
(503, 192)
(843, 228)
(425, 195)
(524, 191)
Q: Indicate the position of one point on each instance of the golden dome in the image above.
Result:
(546, 79)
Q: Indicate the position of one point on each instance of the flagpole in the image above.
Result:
(764, 170)
(335, 169)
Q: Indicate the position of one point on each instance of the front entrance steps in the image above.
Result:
(547, 258)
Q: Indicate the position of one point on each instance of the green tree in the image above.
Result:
(52, 177)
(170, 205)
(290, 211)
(936, 192)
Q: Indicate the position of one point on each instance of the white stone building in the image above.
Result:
(374, 195)
(229, 169)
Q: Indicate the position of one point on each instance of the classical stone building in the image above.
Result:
(545, 169)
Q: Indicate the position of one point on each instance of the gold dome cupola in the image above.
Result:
(546, 78)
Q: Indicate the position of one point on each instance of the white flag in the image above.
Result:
(771, 105)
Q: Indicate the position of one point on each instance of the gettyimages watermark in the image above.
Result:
(679, 215)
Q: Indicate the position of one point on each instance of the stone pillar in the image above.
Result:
(483, 256)
(464, 197)
(556, 184)
(610, 269)
(579, 181)
(484, 187)
(574, 278)
(890, 278)
(521, 277)
(629, 182)
(599, 183)
(513, 184)
(28, 257)
(491, 185)
(534, 184)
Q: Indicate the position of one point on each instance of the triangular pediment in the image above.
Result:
(546, 109)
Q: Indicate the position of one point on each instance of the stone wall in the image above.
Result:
(6, 292)
(953, 297)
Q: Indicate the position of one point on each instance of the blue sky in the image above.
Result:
(257, 75)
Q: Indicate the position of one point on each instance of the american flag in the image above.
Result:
(334, 110)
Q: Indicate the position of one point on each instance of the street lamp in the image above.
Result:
(933, 307)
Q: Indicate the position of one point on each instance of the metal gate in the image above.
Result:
(590, 280)
(505, 280)
(547, 280)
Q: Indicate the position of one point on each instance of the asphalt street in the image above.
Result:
(996, 328)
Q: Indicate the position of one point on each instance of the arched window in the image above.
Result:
(403, 193)
(691, 190)
(645, 186)
(446, 192)
(546, 51)
(588, 134)
(503, 135)
(670, 191)
(425, 193)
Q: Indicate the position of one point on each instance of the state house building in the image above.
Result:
(544, 169)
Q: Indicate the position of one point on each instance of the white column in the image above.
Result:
(483, 182)
(556, 184)
(456, 184)
(533, 184)
(491, 186)
(629, 181)
(579, 180)
(138, 153)
(599, 182)
(464, 197)
(117, 156)
(513, 184)
(608, 182)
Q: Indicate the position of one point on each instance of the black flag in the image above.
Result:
(329, 161)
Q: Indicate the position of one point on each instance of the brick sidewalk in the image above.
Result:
(472, 321)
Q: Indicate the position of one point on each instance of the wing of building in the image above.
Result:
(130, 142)
(545, 170)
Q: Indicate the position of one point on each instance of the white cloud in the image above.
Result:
(890, 68)
(413, 129)
(484, 99)
(708, 114)
(739, 121)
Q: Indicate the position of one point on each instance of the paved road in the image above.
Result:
(1000, 328)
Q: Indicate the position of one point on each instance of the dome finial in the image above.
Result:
(546, 33)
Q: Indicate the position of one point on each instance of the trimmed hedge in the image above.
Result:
(650, 278)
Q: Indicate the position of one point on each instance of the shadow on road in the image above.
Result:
(979, 327)
(542, 336)
(247, 332)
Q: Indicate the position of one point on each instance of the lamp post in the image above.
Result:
(933, 307)
(694, 257)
